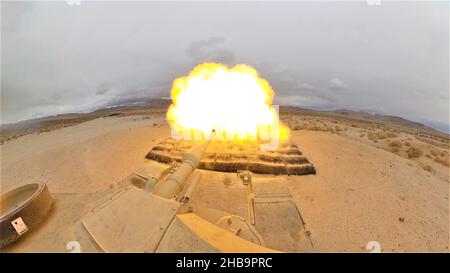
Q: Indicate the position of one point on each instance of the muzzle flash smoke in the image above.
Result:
(236, 102)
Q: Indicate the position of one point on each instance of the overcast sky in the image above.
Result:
(391, 58)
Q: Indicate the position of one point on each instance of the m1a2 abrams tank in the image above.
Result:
(195, 197)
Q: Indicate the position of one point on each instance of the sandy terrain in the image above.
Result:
(84, 158)
(374, 181)
(363, 194)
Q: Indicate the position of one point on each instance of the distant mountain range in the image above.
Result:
(13, 130)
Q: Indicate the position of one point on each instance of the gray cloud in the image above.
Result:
(337, 84)
(306, 86)
(102, 89)
(210, 50)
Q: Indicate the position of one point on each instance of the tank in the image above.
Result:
(190, 196)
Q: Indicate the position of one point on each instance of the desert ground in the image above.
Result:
(378, 178)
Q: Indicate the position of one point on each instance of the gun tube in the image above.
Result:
(174, 183)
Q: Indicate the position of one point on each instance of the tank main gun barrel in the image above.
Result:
(174, 183)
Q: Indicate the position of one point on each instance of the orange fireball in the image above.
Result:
(236, 102)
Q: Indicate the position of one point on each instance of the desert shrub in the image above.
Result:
(297, 127)
(381, 135)
(337, 128)
(414, 152)
(407, 143)
(329, 129)
(362, 135)
(316, 128)
(428, 168)
(395, 144)
(443, 161)
(434, 152)
(372, 136)
(395, 150)
(390, 135)
(429, 156)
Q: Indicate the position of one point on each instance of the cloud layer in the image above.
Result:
(391, 58)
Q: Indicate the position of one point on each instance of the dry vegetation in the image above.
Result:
(443, 161)
(414, 152)
(428, 168)
(425, 146)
